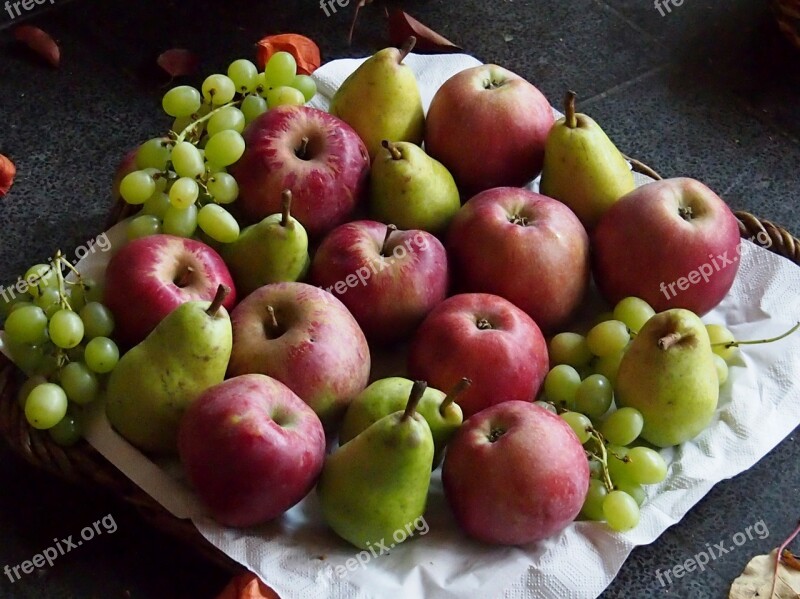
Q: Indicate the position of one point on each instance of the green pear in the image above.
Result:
(668, 374)
(381, 100)
(274, 250)
(158, 379)
(389, 395)
(377, 483)
(412, 190)
(582, 166)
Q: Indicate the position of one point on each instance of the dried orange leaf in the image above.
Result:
(247, 586)
(758, 578)
(40, 42)
(790, 560)
(304, 50)
(178, 62)
(7, 173)
(402, 25)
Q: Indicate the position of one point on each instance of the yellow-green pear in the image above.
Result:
(582, 166)
(154, 382)
(381, 100)
(668, 374)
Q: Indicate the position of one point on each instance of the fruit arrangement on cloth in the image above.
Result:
(280, 256)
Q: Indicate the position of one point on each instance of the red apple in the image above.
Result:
(251, 448)
(315, 155)
(149, 277)
(304, 337)
(673, 243)
(486, 339)
(515, 473)
(488, 126)
(389, 280)
(525, 247)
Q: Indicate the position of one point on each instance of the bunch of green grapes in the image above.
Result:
(58, 333)
(182, 181)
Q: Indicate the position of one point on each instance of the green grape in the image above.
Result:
(225, 148)
(718, 333)
(608, 337)
(634, 312)
(187, 160)
(594, 396)
(7, 306)
(608, 366)
(76, 297)
(595, 469)
(621, 511)
(218, 89)
(92, 289)
(243, 73)
(98, 321)
(143, 226)
(48, 366)
(26, 357)
(156, 205)
(136, 187)
(617, 464)
(306, 85)
(154, 153)
(28, 386)
(646, 466)
(546, 406)
(184, 193)
(634, 490)
(252, 107)
(66, 432)
(579, 424)
(180, 222)
(561, 384)
(229, 117)
(159, 178)
(569, 348)
(46, 406)
(181, 101)
(217, 223)
(17, 305)
(47, 298)
(285, 96)
(593, 504)
(66, 329)
(261, 87)
(280, 69)
(101, 355)
(223, 188)
(179, 124)
(40, 277)
(623, 426)
(26, 325)
(722, 369)
(79, 383)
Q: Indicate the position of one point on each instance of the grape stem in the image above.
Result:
(735, 343)
(190, 127)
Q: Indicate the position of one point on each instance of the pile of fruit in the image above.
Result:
(281, 251)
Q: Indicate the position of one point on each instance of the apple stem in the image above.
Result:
(301, 151)
(183, 279)
(457, 390)
(757, 341)
(417, 391)
(667, 341)
(273, 320)
(406, 48)
(396, 154)
(389, 230)
(571, 120)
(286, 206)
(222, 292)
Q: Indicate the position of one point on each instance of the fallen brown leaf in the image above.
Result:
(305, 51)
(40, 42)
(178, 62)
(790, 560)
(7, 173)
(402, 25)
(756, 581)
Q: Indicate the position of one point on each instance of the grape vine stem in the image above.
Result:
(190, 127)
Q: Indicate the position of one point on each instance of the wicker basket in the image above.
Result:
(81, 464)
(788, 14)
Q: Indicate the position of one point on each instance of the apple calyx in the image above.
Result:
(685, 212)
(385, 247)
(286, 206)
(183, 279)
(483, 324)
(302, 151)
(222, 292)
(393, 149)
(406, 48)
(518, 219)
(417, 391)
(457, 390)
(495, 434)
(570, 120)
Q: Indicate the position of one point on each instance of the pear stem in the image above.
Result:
(406, 48)
(668, 341)
(286, 206)
(273, 321)
(569, 110)
(389, 230)
(396, 154)
(222, 292)
(757, 341)
(417, 391)
(457, 390)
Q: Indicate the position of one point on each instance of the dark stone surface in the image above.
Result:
(708, 91)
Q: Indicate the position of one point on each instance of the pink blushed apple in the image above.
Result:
(525, 247)
(488, 126)
(149, 277)
(315, 155)
(389, 280)
(674, 243)
(486, 339)
(251, 448)
(306, 338)
(514, 474)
